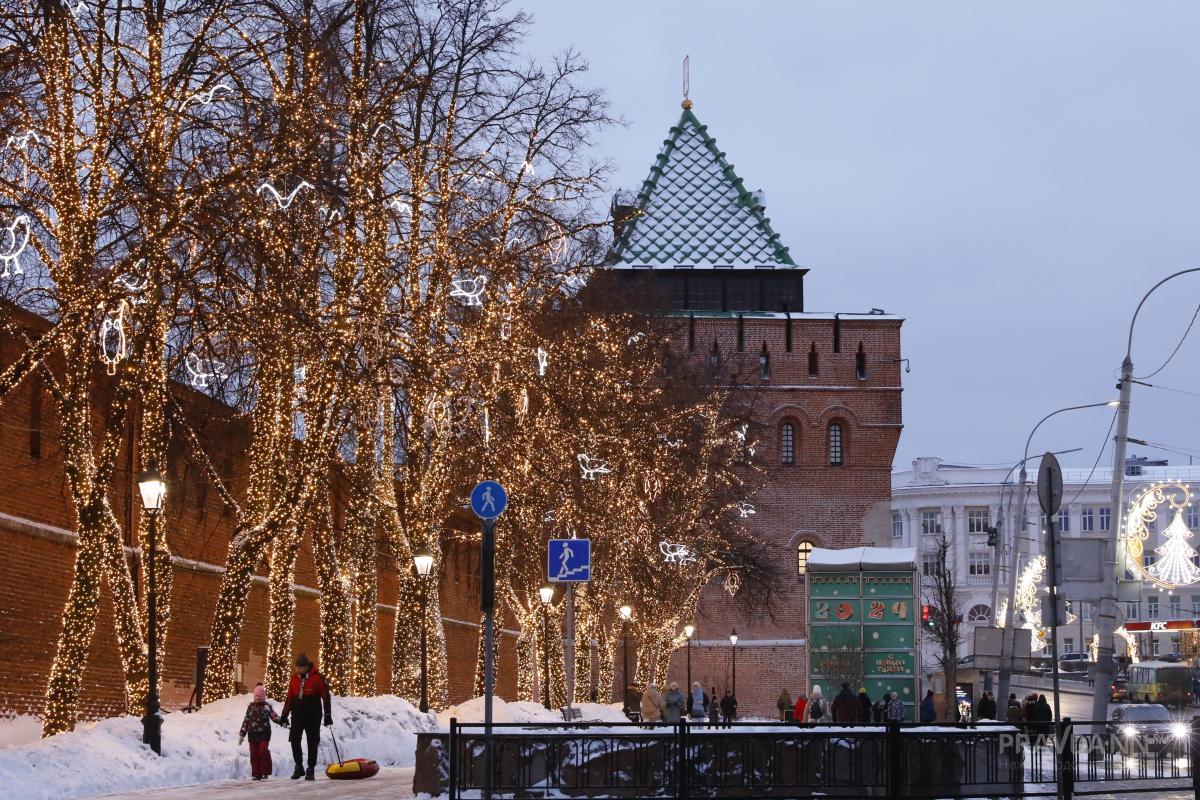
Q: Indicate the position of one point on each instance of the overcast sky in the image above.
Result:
(1010, 178)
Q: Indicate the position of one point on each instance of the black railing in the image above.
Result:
(747, 759)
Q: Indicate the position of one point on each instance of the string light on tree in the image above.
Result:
(15, 244)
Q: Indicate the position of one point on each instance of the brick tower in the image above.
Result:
(825, 394)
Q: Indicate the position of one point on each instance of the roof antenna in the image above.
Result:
(686, 81)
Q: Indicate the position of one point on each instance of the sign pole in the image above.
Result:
(488, 501)
(569, 644)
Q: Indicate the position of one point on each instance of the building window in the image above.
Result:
(1151, 608)
(1148, 559)
(979, 614)
(787, 443)
(1153, 645)
(812, 361)
(929, 564)
(1044, 524)
(1087, 520)
(764, 363)
(1068, 645)
(897, 525)
(1193, 516)
(979, 565)
(860, 363)
(1131, 610)
(931, 521)
(803, 551)
(1106, 519)
(835, 445)
(1086, 610)
(1064, 520)
(1196, 604)
(977, 520)
(1152, 525)
(1173, 607)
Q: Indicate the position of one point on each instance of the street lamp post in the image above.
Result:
(1105, 617)
(1019, 529)
(153, 489)
(626, 612)
(423, 562)
(688, 631)
(733, 637)
(547, 593)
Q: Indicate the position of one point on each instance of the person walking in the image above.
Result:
(928, 711)
(864, 705)
(1015, 715)
(673, 704)
(307, 695)
(845, 706)
(697, 702)
(728, 707)
(783, 703)
(257, 725)
(895, 708)
(652, 704)
(986, 707)
(817, 709)
(800, 709)
(1045, 715)
(714, 708)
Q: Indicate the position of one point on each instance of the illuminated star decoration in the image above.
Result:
(744, 509)
(196, 371)
(543, 358)
(470, 289)
(676, 553)
(112, 338)
(15, 246)
(591, 467)
(282, 201)
(22, 142)
(205, 98)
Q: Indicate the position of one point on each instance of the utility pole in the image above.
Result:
(1008, 635)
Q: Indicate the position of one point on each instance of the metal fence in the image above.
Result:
(746, 759)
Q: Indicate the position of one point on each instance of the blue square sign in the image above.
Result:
(569, 560)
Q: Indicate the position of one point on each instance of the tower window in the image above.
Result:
(714, 356)
(812, 360)
(860, 363)
(836, 453)
(764, 363)
(803, 551)
(787, 331)
(787, 444)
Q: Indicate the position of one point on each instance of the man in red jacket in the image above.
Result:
(306, 695)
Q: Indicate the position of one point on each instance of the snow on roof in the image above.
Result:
(694, 210)
(853, 559)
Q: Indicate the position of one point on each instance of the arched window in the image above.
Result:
(787, 444)
(803, 551)
(836, 445)
(979, 614)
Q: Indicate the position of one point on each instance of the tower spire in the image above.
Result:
(686, 81)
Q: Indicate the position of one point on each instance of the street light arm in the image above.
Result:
(1055, 413)
(1142, 302)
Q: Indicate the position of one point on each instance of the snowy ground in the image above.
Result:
(108, 756)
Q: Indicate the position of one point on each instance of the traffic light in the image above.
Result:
(993, 537)
(928, 613)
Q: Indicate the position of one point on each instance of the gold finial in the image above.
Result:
(686, 82)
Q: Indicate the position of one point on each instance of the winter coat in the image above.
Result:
(818, 711)
(783, 703)
(864, 707)
(895, 710)
(877, 711)
(307, 695)
(652, 705)
(672, 706)
(799, 709)
(699, 702)
(845, 707)
(1015, 714)
(986, 708)
(928, 711)
(729, 706)
(714, 710)
(257, 723)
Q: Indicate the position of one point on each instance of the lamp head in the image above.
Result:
(423, 561)
(152, 488)
(547, 593)
(733, 637)
(688, 630)
(625, 611)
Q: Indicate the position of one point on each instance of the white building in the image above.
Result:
(964, 501)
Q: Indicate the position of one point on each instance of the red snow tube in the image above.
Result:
(352, 769)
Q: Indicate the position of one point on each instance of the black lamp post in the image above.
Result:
(423, 562)
(547, 593)
(153, 489)
(733, 637)
(626, 612)
(688, 631)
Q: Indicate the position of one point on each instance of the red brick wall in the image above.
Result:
(811, 500)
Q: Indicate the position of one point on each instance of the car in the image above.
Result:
(1145, 728)
(1073, 662)
(1119, 691)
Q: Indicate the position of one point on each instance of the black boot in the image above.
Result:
(308, 776)
(298, 772)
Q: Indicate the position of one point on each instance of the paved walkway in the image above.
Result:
(392, 783)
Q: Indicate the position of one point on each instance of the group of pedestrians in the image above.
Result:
(698, 704)
(847, 707)
(307, 705)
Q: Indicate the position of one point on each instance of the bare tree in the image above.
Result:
(940, 589)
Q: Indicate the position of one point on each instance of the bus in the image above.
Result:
(1162, 682)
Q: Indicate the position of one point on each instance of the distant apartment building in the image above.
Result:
(964, 501)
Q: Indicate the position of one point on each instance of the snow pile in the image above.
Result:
(19, 729)
(527, 712)
(108, 756)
